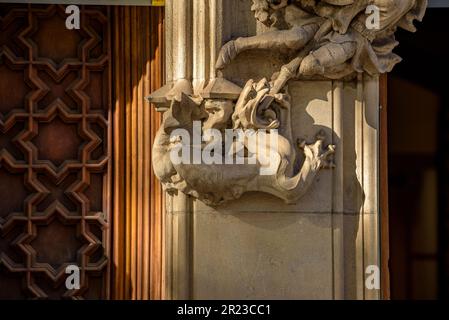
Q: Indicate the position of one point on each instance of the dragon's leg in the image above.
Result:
(281, 40)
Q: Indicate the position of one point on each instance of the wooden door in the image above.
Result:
(70, 120)
(55, 106)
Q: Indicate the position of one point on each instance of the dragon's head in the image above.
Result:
(183, 113)
(269, 12)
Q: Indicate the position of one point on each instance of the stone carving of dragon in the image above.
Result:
(328, 39)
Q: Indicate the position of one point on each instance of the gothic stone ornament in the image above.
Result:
(327, 39)
(256, 114)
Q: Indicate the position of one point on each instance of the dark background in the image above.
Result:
(418, 125)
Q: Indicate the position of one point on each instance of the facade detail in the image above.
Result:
(54, 152)
(318, 40)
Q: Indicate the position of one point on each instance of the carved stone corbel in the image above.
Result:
(328, 39)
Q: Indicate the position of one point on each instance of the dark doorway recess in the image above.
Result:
(418, 134)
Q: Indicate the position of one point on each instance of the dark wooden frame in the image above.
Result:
(384, 217)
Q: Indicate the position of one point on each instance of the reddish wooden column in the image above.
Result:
(138, 198)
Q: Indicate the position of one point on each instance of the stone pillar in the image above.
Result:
(263, 241)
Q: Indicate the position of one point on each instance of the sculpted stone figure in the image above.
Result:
(215, 183)
(328, 38)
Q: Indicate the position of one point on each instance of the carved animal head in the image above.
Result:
(183, 113)
(269, 12)
(219, 113)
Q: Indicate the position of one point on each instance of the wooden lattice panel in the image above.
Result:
(55, 110)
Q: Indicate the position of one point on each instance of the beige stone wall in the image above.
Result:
(258, 247)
